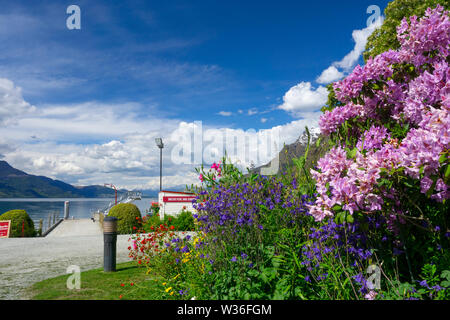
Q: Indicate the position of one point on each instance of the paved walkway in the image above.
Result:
(79, 227)
(24, 261)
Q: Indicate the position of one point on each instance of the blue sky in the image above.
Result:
(78, 101)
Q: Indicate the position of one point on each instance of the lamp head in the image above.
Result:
(159, 143)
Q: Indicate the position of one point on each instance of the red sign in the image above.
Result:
(4, 228)
(178, 199)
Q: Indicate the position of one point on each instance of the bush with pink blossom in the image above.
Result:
(390, 130)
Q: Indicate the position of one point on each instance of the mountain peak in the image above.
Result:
(314, 133)
(7, 171)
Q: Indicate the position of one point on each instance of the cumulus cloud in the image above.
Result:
(12, 104)
(303, 100)
(330, 74)
(195, 144)
(347, 63)
(360, 37)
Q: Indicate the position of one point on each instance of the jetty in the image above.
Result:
(78, 227)
(69, 227)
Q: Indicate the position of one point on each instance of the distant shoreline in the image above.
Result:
(67, 198)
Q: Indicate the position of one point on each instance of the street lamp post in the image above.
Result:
(160, 145)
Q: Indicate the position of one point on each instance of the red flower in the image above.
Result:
(122, 285)
(172, 227)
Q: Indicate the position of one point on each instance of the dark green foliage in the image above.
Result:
(184, 221)
(18, 217)
(128, 215)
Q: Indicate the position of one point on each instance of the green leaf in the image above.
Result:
(350, 218)
(447, 171)
(352, 153)
(318, 142)
(430, 191)
(446, 274)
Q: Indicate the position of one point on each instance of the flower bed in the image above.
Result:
(370, 221)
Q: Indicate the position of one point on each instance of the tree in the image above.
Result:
(385, 37)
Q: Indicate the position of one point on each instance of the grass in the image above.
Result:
(98, 285)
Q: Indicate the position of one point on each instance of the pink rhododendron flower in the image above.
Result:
(420, 99)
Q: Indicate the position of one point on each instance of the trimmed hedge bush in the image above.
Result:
(127, 214)
(17, 218)
(181, 222)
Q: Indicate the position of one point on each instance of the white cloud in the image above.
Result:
(132, 161)
(263, 120)
(87, 121)
(252, 111)
(12, 104)
(330, 74)
(360, 37)
(347, 63)
(225, 113)
(303, 100)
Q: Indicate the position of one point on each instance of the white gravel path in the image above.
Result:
(24, 261)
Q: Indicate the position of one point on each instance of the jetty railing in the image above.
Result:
(49, 223)
(127, 197)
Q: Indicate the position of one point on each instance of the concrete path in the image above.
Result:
(24, 261)
(79, 227)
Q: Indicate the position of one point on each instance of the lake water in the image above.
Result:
(41, 208)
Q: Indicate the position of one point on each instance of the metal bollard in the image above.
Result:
(66, 210)
(110, 244)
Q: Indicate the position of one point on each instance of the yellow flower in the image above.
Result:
(171, 293)
(176, 276)
(164, 283)
(168, 289)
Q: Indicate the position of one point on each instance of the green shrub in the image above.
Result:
(127, 214)
(184, 221)
(151, 221)
(17, 218)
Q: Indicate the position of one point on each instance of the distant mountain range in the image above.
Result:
(18, 184)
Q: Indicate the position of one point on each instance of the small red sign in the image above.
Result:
(178, 199)
(4, 228)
